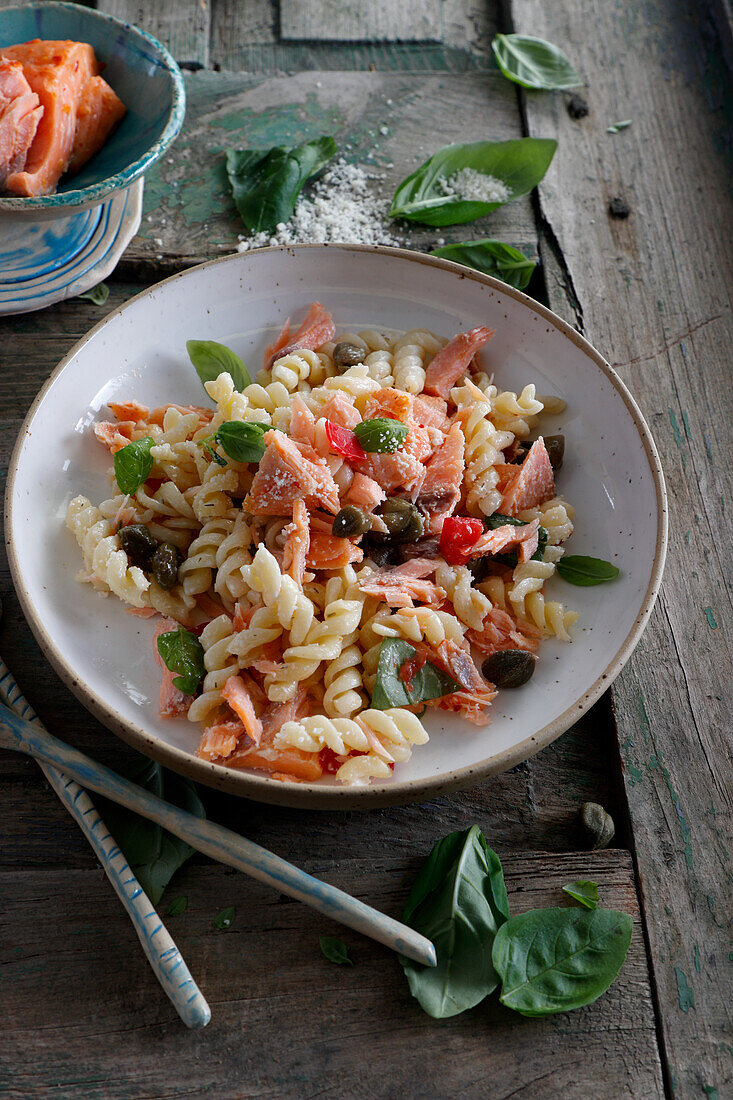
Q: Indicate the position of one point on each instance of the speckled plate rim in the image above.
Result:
(311, 795)
(96, 192)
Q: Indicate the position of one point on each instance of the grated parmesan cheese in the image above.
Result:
(473, 186)
(341, 207)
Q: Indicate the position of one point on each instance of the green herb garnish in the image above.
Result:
(335, 950)
(427, 682)
(585, 572)
(242, 440)
(382, 435)
(98, 294)
(492, 258)
(519, 164)
(224, 918)
(153, 854)
(212, 359)
(534, 63)
(459, 902)
(132, 464)
(584, 891)
(182, 652)
(266, 182)
(555, 960)
(617, 127)
(177, 906)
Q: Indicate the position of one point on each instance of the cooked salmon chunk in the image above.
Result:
(100, 110)
(20, 113)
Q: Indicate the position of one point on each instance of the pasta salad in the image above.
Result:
(364, 531)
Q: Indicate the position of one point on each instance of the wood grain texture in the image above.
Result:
(652, 292)
(287, 1023)
(189, 215)
(184, 26)
(361, 20)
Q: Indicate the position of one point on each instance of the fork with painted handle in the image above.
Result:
(216, 841)
(162, 953)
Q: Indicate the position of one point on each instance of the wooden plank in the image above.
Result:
(652, 291)
(361, 20)
(183, 26)
(82, 1010)
(189, 215)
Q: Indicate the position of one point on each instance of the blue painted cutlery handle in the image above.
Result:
(162, 953)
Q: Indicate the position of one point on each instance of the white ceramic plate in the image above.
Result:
(611, 474)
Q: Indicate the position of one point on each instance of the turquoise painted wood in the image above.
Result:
(215, 841)
(164, 957)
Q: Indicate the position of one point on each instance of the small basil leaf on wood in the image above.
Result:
(266, 182)
(492, 258)
(390, 690)
(335, 950)
(584, 891)
(182, 652)
(224, 918)
(555, 960)
(381, 435)
(519, 164)
(459, 902)
(212, 359)
(132, 464)
(177, 906)
(534, 63)
(98, 294)
(584, 572)
(617, 127)
(153, 854)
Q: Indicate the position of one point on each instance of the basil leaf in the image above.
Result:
(584, 891)
(534, 63)
(182, 652)
(459, 902)
(382, 435)
(554, 960)
(153, 854)
(98, 294)
(519, 164)
(224, 918)
(335, 950)
(133, 464)
(390, 691)
(242, 441)
(492, 258)
(617, 127)
(266, 182)
(498, 520)
(585, 572)
(177, 906)
(212, 359)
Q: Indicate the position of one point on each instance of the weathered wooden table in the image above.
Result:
(83, 1017)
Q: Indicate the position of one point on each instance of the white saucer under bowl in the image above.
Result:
(46, 262)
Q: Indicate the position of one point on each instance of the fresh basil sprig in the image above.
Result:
(427, 682)
(492, 258)
(266, 182)
(242, 440)
(381, 435)
(534, 63)
(335, 950)
(132, 464)
(520, 164)
(182, 652)
(212, 359)
(459, 902)
(584, 891)
(555, 960)
(584, 571)
(153, 854)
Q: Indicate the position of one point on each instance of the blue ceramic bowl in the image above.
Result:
(145, 77)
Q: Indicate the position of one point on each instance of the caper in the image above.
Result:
(164, 564)
(381, 553)
(414, 528)
(398, 515)
(555, 450)
(346, 355)
(138, 544)
(597, 825)
(350, 522)
(509, 668)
